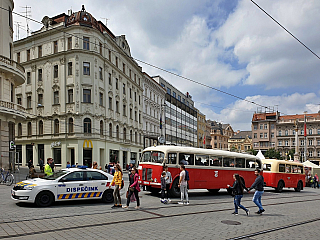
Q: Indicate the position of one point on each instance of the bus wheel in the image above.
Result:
(299, 187)
(154, 190)
(175, 190)
(214, 191)
(280, 186)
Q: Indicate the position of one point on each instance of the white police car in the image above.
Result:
(65, 184)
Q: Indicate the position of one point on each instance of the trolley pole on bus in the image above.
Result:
(305, 136)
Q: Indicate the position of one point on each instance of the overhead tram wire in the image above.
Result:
(285, 29)
(151, 65)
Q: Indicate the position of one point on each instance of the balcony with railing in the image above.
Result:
(14, 69)
(12, 108)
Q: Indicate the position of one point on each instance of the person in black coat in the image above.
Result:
(237, 188)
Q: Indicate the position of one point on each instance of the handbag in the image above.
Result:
(131, 189)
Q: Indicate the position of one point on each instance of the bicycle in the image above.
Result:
(6, 177)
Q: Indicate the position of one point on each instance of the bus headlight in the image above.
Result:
(155, 180)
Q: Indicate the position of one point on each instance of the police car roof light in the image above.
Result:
(82, 166)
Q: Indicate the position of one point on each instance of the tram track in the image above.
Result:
(154, 208)
(159, 216)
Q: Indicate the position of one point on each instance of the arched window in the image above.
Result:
(19, 130)
(117, 132)
(101, 128)
(56, 126)
(87, 125)
(130, 135)
(40, 127)
(139, 138)
(29, 129)
(136, 137)
(124, 133)
(71, 128)
(110, 129)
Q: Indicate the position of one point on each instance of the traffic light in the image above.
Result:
(12, 146)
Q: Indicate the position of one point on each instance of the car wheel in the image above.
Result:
(299, 187)
(280, 186)
(44, 199)
(107, 196)
(175, 190)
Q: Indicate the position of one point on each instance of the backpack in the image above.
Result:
(187, 178)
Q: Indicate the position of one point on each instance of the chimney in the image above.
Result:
(70, 12)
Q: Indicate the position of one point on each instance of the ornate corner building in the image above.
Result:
(83, 94)
(11, 76)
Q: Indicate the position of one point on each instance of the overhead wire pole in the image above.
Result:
(17, 29)
(27, 16)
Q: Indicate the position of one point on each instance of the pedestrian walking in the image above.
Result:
(117, 180)
(163, 187)
(316, 181)
(258, 186)
(237, 188)
(133, 187)
(94, 165)
(41, 163)
(47, 168)
(30, 163)
(183, 184)
(168, 182)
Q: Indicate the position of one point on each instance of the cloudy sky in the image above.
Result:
(227, 44)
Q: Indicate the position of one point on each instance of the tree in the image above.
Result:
(272, 153)
(252, 151)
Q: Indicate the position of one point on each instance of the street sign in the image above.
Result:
(161, 139)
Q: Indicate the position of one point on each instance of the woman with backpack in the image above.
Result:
(134, 187)
(237, 189)
(117, 180)
(183, 184)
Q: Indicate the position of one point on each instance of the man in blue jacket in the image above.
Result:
(258, 185)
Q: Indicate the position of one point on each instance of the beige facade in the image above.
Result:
(207, 140)
(11, 76)
(220, 134)
(240, 142)
(83, 94)
(201, 129)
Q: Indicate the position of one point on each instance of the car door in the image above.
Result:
(97, 183)
(72, 186)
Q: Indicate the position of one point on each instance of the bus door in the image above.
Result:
(289, 176)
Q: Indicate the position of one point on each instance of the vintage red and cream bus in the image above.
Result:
(280, 173)
(208, 168)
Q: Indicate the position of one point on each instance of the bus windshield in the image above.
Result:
(153, 156)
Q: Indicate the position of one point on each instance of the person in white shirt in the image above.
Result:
(183, 184)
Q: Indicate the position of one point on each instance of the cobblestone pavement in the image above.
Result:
(202, 219)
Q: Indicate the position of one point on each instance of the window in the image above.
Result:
(302, 142)
(130, 73)
(139, 100)
(261, 135)
(117, 84)
(265, 126)
(40, 74)
(318, 142)
(101, 99)
(255, 127)
(318, 153)
(18, 57)
(310, 142)
(135, 78)
(39, 51)
(279, 133)
(286, 143)
(117, 132)
(310, 131)
(110, 130)
(124, 110)
(265, 135)
(55, 71)
(40, 99)
(56, 126)
(69, 43)
(28, 55)
(302, 132)
(100, 73)
(130, 93)
(272, 135)
(130, 135)
(70, 96)
(162, 85)
(28, 77)
(56, 97)
(29, 129)
(124, 68)
(87, 125)
(139, 118)
(40, 127)
(135, 96)
(101, 128)
(286, 132)
(100, 48)
(86, 45)
(169, 91)
(255, 135)
(86, 68)
(55, 46)
(86, 95)
(74, 176)
(261, 126)
(130, 113)
(71, 129)
(109, 55)
(318, 131)
(117, 106)
(110, 103)
(110, 79)
(92, 176)
(116, 61)
(135, 116)
(310, 154)
(29, 102)
(124, 133)
(69, 68)
(174, 94)
(19, 101)
(280, 143)
(124, 88)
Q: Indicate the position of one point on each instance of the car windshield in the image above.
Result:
(56, 175)
(153, 156)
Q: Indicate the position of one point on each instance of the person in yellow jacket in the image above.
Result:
(117, 180)
(47, 168)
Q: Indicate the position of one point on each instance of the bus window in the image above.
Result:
(300, 169)
(172, 158)
(186, 159)
(288, 168)
(282, 168)
(228, 162)
(216, 161)
(258, 164)
(294, 169)
(240, 163)
(202, 160)
(157, 157)
(146, 157)
(251, 163)
(266, 167)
